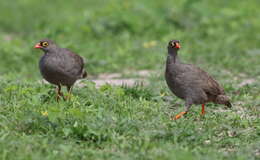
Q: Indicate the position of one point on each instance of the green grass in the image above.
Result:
(129, 122)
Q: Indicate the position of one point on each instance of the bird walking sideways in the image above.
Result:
(60, 66)
(191, 83)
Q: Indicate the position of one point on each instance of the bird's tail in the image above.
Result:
(223, 99)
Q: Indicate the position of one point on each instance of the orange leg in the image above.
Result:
(188, 104)
(202, 109)
(179, 115)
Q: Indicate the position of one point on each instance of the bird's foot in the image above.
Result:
(178, 115)
(68, 97)
(58, 96)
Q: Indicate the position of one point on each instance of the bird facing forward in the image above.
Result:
(191, 83)
(60, 66)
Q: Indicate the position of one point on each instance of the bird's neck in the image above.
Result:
(172, 56)
(51, 50)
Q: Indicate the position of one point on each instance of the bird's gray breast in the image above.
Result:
(176, 85)
(56, 68)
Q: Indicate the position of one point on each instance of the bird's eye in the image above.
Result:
(44, 44)
(173, 44)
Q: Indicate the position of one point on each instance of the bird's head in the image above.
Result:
(174, 44)
(45, 45)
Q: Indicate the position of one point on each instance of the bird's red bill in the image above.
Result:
(177, 45)
(38, 45)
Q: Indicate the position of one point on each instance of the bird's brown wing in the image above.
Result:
(78, 62)
(205, 81)
(76, 57)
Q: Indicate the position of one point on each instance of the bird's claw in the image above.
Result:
(178, 115)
